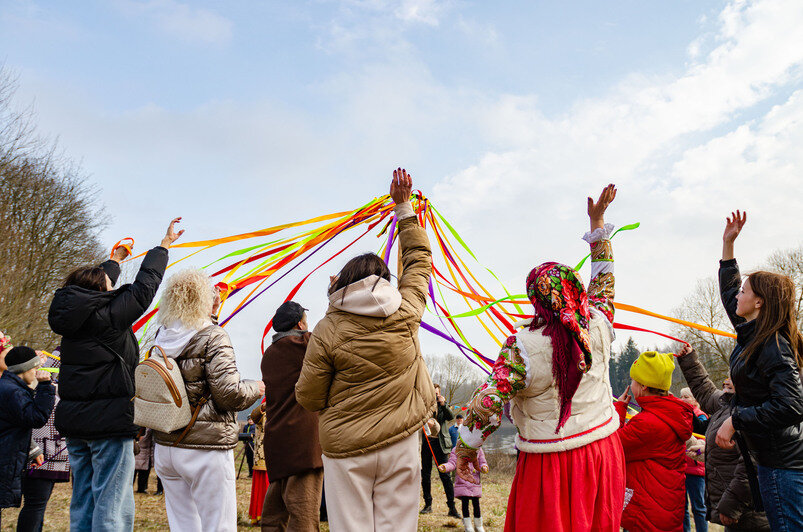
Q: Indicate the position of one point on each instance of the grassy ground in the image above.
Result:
(151, 509)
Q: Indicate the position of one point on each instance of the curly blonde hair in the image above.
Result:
(187, 298)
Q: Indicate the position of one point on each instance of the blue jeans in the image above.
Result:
(103, 478)
(782, 491)
(695, 494)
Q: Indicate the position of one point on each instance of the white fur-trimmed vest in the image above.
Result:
(535, 408)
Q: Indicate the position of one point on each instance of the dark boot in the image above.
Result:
(453, 511)
(427, 508)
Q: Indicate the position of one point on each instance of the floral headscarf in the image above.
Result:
(561, 308)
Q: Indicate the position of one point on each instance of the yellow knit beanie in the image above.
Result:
(653, 369)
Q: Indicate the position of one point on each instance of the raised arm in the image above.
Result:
(730, 280)
(131, 304)
(317, 372)
(601, 288)
(416, 256)
(702, 387)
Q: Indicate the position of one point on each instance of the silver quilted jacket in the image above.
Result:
(209, 369)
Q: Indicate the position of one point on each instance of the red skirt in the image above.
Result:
(571, 491)
(259, 485)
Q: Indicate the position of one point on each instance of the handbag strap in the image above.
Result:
(119, 357)
(195, 413)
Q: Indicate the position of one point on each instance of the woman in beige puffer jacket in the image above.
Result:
(198, 472)
(364, 373)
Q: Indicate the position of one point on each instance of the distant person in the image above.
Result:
(554, 374)
(365, 375)
(729, 501)
(468, 493)
(437, 448)
(26, 401)
(196, 465)
(695, 470)
(99, 353)
(291, 443)
(249, 429)
(654, 441)
(143, 460)
(40, 480)
(259, 478)
(765, 370)
(454, 429)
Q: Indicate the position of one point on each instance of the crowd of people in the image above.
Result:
(351, 422)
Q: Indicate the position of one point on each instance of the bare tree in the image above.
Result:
(457, 376)
(49, 223)
(704, 306)
(790, 262)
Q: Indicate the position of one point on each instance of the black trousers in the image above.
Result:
(475, 503)
(249, 457)
(426, 471)
(35, 494)
(141, 477)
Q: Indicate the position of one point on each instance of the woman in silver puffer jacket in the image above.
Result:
(198, 472)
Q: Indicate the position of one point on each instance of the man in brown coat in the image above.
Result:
(292, 449)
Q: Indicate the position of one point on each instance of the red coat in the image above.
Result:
(655, 453)
(693, 467)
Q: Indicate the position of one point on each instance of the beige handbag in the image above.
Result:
(160, 401)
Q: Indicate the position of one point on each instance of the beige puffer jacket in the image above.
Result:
(363, 371)
(209, 368)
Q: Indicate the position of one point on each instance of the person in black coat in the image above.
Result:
(765, 370)
(99, 353)
(437, 448)
(21, 411)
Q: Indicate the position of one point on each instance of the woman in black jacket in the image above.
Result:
(765, 370)
(96, 383)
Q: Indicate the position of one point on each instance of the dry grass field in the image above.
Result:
(151, 513)
(151, 509)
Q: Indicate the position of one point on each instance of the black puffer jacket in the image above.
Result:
(727, 490)
(768, 407)
(95, 385)
(20, 411)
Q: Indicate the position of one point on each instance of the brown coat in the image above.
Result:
(726, 486)
(209, 369)
(363, 371)
(291, 433)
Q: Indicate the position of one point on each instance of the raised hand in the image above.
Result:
(685, 350)
(401, 187)
(171, 235)
(120, 253)
(596, 210)
(733, 226)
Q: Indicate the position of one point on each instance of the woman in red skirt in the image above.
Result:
(554, 373)
(259, 480)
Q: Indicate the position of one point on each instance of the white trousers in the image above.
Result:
(377, 491)
(200, 490)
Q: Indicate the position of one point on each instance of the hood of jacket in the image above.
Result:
(72, 306)
(174, 338)
(672, 411)
(372, 296)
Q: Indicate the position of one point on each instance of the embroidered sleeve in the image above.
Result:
(484, 416)
(601, 288)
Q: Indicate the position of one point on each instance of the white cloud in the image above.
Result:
(188, 23)
(678, 147)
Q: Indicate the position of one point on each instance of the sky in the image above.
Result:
(239, 116)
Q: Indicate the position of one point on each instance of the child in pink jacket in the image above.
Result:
(468, 492)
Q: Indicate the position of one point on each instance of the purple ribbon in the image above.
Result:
(391, 238)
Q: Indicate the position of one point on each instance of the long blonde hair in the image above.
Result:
(187, 298)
